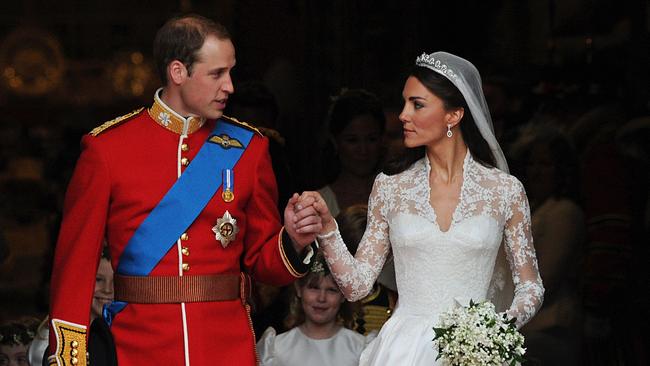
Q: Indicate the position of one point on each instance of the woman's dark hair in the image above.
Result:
(345, 107)
(181, 38)
(354, 103)
(452, 98)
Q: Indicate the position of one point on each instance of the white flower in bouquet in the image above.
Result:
(478, 335)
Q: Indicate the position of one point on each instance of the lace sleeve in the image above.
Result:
(529, 291)
(356, 275)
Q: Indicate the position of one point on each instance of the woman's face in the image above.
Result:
(103, 288)
(320, 300)
(15, 355)
(424, 118)
(359, 146)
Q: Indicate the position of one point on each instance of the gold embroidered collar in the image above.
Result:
(166, 117)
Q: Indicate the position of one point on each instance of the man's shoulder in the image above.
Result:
(242, 124)
(108, 125)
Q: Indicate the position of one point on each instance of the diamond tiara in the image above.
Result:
(430, 62)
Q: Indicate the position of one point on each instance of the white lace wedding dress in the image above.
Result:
(434, 268)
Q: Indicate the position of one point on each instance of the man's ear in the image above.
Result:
(176, 72)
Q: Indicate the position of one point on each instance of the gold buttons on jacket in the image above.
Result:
(74, 352)
(186, 267)
(185, 251)
(185, 147)
(185, 161)
(184, 236)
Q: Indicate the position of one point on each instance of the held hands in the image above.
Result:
(306, 216)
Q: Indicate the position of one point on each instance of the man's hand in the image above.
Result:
(318, 203)
(302, 222)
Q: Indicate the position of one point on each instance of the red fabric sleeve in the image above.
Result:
(79, 243)
(263, 257)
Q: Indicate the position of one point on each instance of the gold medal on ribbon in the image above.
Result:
(227, 196)
(226, 229)
(228, 180)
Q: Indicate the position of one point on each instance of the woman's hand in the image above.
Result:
(315, 200)
(302, 224)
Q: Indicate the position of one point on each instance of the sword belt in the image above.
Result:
(178, 289)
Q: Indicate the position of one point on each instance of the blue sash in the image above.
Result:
(181, 205)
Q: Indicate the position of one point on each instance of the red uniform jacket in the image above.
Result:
(125, 168)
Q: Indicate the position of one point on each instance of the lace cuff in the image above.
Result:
(331, 233)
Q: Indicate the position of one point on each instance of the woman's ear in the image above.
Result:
(455, 116)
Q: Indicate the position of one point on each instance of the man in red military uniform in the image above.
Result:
(186, 198)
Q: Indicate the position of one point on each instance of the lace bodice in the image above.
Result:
(435, 268)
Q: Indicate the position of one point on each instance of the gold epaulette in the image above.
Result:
(106, 125)
(243, 124)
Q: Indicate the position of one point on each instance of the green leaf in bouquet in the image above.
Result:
(440, 332)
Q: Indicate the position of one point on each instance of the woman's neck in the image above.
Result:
(447, 159)
(319, 331)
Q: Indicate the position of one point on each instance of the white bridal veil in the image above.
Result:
(468, 81)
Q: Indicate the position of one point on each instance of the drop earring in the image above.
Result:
(449, 133)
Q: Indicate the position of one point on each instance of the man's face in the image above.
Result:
(205, 91)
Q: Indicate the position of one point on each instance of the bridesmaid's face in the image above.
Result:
(424, 117)
(321, 300)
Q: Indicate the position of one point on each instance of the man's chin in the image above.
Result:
(215, 114)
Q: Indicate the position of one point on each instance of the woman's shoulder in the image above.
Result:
(407, 173)
(497, 176)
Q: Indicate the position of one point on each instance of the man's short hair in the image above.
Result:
(181, 38)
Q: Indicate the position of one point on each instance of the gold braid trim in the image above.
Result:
(106, 125)
(243, 124)
(287, 262)
(70, 343)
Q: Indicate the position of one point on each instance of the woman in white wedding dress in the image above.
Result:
(457, 223)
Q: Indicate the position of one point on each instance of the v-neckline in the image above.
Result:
(454, 213)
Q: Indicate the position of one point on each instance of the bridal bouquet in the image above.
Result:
(478, 335)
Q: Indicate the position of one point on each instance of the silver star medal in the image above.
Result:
(225, 229)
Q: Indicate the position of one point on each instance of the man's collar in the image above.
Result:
(168, 118)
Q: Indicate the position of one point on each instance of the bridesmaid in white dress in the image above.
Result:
(457, 223)
(318, 317)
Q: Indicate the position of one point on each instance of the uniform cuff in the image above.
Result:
(298, 265)
(70, 343)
